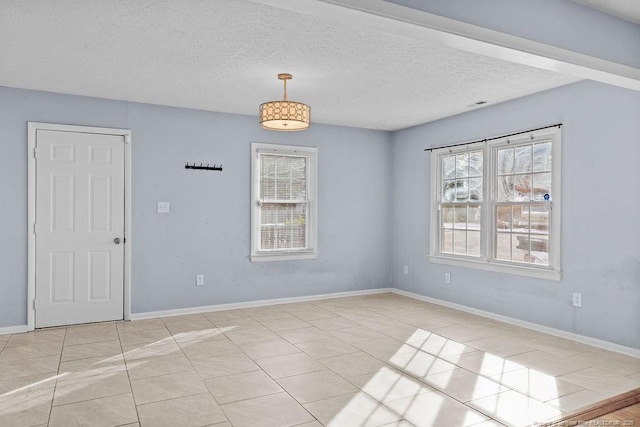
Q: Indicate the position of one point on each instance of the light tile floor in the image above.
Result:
(379, 360)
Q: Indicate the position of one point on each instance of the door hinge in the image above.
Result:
(35, 153)
(34, 303)
(34, 228)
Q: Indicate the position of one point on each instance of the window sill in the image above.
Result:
(283, 256)
(537, 273)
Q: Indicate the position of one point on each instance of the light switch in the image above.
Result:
(163, 207)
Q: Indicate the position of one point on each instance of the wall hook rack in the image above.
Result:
(204, 167)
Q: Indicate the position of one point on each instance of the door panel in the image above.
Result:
(62, 203)
(99, 275)
(62, 277)
(79, 213)
(100, 204)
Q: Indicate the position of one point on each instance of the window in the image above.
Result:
(283, 206)
(496, 205)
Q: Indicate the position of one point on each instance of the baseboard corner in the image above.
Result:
(595, 342)
(7, 330)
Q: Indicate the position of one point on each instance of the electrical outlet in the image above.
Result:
(164, 207)
(577, 299)
(200, 280)
(405, 270)
(447, 278)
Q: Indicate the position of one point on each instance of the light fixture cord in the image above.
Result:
(285, 89)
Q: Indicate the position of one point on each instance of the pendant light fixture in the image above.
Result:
(285, 115)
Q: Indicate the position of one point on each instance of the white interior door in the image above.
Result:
(79, 231)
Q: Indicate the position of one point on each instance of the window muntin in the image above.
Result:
(524, 172)
(496, 205)
(283, 211)
(283, 202)
(522, 203)
(460, 213)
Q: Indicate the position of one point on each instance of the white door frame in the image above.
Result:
(31, 262)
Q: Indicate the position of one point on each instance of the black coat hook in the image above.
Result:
(202, 167)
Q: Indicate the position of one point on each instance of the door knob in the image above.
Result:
(116, 240)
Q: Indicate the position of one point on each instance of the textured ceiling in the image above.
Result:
(224, 55)
(625, 9)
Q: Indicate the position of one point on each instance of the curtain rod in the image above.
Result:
(495, 137)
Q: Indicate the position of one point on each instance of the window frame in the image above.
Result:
(488, 232)
(311, 251)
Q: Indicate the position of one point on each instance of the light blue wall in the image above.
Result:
(600, 213)
(560, 23)
(207, 230)
(363, 241)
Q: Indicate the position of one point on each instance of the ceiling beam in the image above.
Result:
(408, 22)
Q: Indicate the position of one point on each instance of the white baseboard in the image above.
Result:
(13, 329)
(629, 351)
(260, 303)
(606, 345)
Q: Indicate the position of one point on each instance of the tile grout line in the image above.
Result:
(432, 389)
(460, 367)
(328, 369)
(194, 370)
(266, 373)
(359, 304)
(74, 360)
(293, 344)
(55, 386)
(126, 368)
(198, 374)
(291, 376)
(489, 378)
